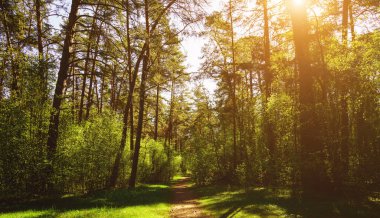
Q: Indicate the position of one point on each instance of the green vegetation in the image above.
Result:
(224, 201)
(95, 96)
(144, 201)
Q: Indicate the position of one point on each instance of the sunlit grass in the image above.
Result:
(224, 201)
(148, 201)
(28, 214)
(178, 177)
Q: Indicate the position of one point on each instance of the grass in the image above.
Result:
(145, 201)
(222, 201)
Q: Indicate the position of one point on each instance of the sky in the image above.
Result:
(192, 48)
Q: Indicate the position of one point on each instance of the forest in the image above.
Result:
(101, 115)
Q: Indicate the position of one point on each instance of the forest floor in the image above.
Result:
(184, 201)
(148, 201)
(226, 201)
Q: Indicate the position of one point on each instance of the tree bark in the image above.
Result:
(132, 181)
(352, 23)
(62, 75)
(345, 13)
(129, 51)
(41, 63)
(156, 111)
(92, 77)
(87, 61)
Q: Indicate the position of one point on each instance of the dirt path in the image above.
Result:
(184, 201)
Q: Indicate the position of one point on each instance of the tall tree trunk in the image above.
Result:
(233, 81)
(92, 77)
(267, 124)
(102, 84)
(128, 106)
(132, 181)
(268, 77)
(113, 88)
(341, 172)
(156, 111)
(345, 13)
(168, 134)
(129, 48)
(312, 163)
(87, 61)
(9, 49)
(73, 100)
(62, 75)
(352, 23)
(41, 62)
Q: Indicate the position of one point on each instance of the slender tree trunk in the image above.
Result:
(268, 125)
(341, 172)
(87, 61)
(113, 88)
(233, 81)
(62, 75)
(1, 83)
(132, 181)
(92, 77)
(352, 23)
(131, 130)
(41, 63)
(10, 53)
(268, 77)
(129, 103)
(168, 135)
(157, 110)
(345, 13)
(128, 109)
(102, 84)
(129, 48)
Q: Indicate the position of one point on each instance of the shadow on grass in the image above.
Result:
(228, 202)
(142, 195)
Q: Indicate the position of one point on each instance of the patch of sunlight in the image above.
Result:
(27, 214)
(178, 177)
(68, 196)
(219, 197)
(99, 201)
(146, 211)
(265, 210)
(374, 199)
(158, 186)
(258, 189)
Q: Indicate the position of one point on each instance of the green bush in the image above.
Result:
(157, 163)
(86, 154)
(203, 166)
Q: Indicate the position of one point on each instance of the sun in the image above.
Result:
(298, 2)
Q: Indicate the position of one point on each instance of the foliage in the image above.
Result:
(83, 162)
(144, 201)
(159, 163)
